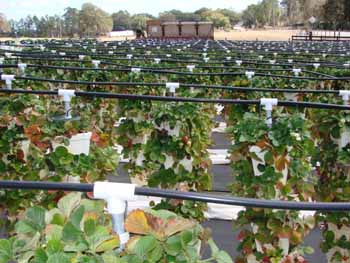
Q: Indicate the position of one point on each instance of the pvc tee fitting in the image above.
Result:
(8, 80)
(345, 95)
(190, 67)
(116, 195)
(96, 63)
(296, 71)
(250, 74)
(67, 96)
(172, 86)
(135, 70)
(268, 104)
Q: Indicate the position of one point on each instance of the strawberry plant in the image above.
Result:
(272, 163)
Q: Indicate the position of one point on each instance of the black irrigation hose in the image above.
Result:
(181, 99)
(169, 70)
(230, 88)
(193, 196)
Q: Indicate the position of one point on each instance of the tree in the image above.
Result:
(333, 13)
(93, 21)
(121, 20)
(233, 16)
(71, 22)
(217, 18)
(4, 24)
(249, 16)
(139, 21)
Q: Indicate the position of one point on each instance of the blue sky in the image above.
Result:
(16, 9)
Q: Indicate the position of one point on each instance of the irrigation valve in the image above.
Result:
(346, 95)
(190, 68)
(8, 80)
(135, 70)
(172, 86)
(296, 71)
(239, 63)
(67, 96)
(116, 195)
(250, 74)
(268, 104)
(96, 63)
(22, 68)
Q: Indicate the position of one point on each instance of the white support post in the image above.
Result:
(239, 62)
(67, 96)
(316, 65)
(8, 80)
(268, 104)
(116, 195)
(157, 60)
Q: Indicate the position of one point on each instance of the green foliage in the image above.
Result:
(76, 231)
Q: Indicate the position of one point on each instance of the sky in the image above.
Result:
(16, 9)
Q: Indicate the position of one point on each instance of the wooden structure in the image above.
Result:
(176, 29)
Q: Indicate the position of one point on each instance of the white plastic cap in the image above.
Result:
(172, 86)
(107, 190)
(66, 94)
(268, 103)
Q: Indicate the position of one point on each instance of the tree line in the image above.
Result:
(92, 21)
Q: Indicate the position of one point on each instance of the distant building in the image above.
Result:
(176, 29)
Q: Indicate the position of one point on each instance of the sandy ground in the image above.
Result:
(263, 35)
